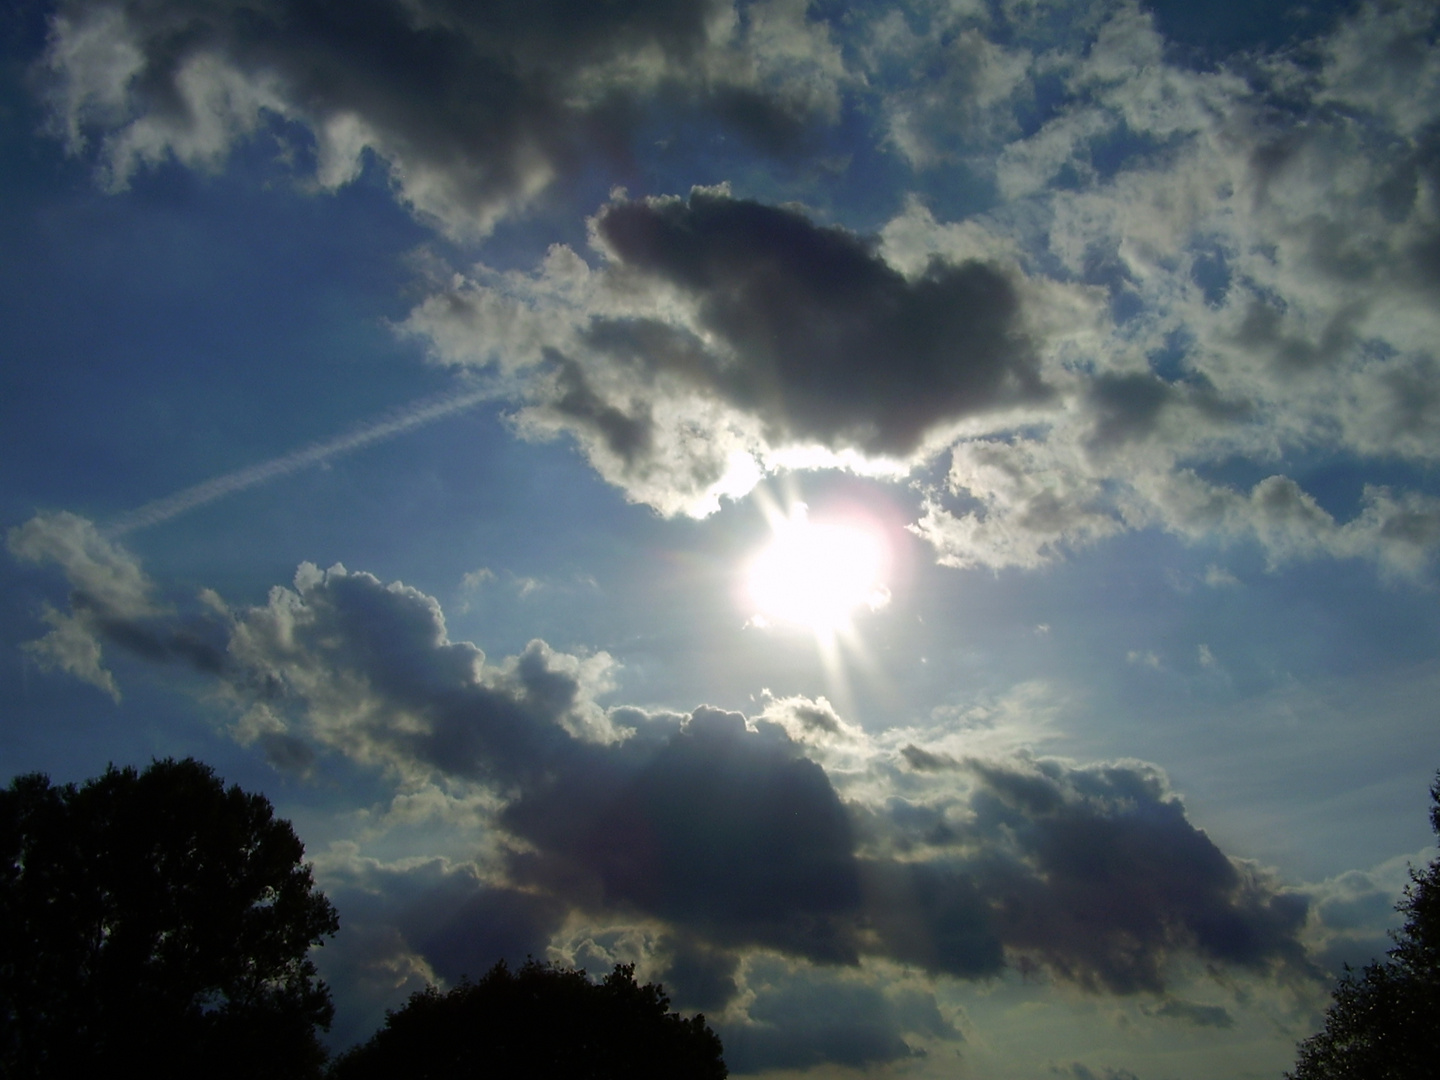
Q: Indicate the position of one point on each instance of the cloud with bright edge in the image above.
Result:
(1259, 285)
(724, 833)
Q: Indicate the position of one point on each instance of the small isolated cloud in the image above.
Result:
(1144, 658)
(1217, 577)
(475, 579)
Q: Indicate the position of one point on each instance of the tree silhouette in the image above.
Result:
(160, 921)
(539, 1021)
(1384, 1023)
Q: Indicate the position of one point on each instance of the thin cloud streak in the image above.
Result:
(417, 414)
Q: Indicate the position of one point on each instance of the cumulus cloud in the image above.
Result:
(719, 335)
(723, 829)
(1212, 281)
(1041, 865)
(1181, 267)
(473, 111)
(1264, 288)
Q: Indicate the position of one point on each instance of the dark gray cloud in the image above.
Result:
(797, 1022)
(822, 338)
(458, 920)
(727, 831)
(465, 932)
(475, 108)
(1091, 873)
(111, 601)
(698, 976)
(937, 915)
(1129, 408)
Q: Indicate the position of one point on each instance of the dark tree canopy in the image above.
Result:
(539, 1021)
(156, 920)
(1384, 1023)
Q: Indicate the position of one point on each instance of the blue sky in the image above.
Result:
(396, 397)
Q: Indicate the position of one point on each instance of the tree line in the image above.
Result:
(161, 920)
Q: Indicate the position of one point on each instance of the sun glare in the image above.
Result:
(817, 574)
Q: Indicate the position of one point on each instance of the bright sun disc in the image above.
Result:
(816, 574)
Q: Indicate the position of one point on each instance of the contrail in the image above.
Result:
(414, 415)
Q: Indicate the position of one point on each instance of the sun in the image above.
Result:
(818, 574)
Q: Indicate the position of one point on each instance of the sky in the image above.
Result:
(913, 523)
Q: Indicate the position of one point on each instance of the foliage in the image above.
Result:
(1384, 1023)
(539, 1021)
(156, 920)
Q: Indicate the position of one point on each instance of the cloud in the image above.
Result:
(729, 832)
(111, 601)
(797, 1020)
(417, 922)
(1259, 266)
(1032, 503)
(724, 834)
(369, 670)
(1189, 1012)
(102, 575)
(1178, 268)
(1210, 284)
(1081, 1071)
(824, 340)
(1092, 873)
(472, 111)
(720, 337)
(697, 975)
